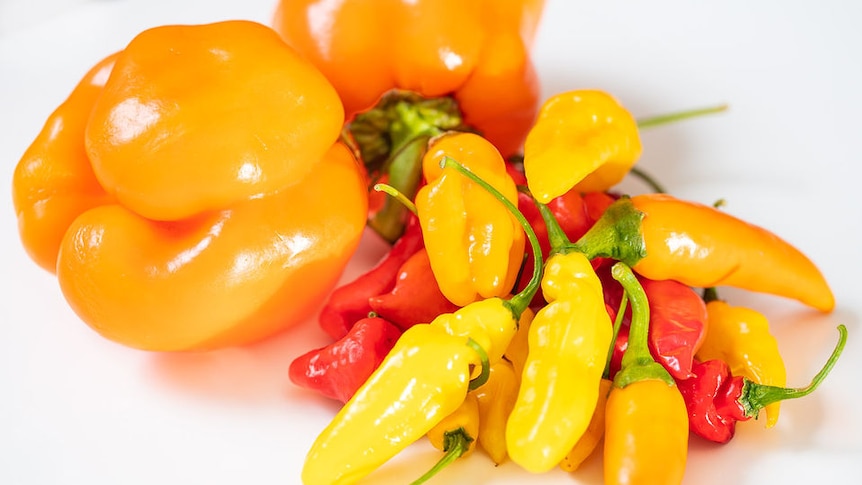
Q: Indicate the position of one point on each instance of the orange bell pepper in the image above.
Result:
(477, 52)
(212, 204)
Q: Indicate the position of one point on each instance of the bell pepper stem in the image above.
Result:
(616, 235)
(519, 302)
(637, 364)
(455, 444)
(485, 372)
(756, 396)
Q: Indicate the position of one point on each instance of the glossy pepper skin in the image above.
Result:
(200, 244)
(54, 182)
(665, 238)
(646, 421)
(349, 303)
(568, 343)
(496, 398)
(340, 368)
(476, 52)
(464, 420)
(740, 336)
(594, 434)
(474, 243)
(423, 379)
(415, 298)
(582, 139)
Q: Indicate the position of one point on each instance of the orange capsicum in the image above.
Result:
(408, 71)
(198, 196)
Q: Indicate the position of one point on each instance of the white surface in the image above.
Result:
(79, 409)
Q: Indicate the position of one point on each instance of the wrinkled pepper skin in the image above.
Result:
(740, 336)
(665, 238)
(340, 368)
(582, 139)
(496, 398)
(646, 434)
(54, 182)
(415, 298)
(350, 302)
(475, 245)
(568, 344)
(421, 381)
(699, 392)
(477, 52)
(198, 243)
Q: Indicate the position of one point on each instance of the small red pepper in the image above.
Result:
(349, 303)
(677, 322)
(340, 368)
(416, 297)
(716, 400)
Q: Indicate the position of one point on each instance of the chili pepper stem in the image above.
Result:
(521, 300)
(637, 364)
(482, 378)
(455, 444)
(616, 235)
(757, 396)
(648, 179)
(618, 322)
(397, 195)
(679, 116)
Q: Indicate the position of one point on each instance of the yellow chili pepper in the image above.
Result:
(474, 244)
(518, 348)
(423, 379)
(568, 346)
(455, 435)
(496, 398)
(740, 336)
(591, 438)
(646, 422)
(582, 139)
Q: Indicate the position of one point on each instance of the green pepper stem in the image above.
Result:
(756, 396)
(485, 373)
(638, 364)
(679, 116)
(557, 237)
(616, 235)
(648, 179)
(397, 195)
(455, 444)
(618, 323)
(519, 302)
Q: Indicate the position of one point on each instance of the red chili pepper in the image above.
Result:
(349, 303)
(716, 400)
(340, 368)
(416, 297)
(677, 322)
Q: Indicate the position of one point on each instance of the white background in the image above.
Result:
(75, 408)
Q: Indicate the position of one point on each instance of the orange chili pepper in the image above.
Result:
(476, 52)
(665, 238)
(231, 209)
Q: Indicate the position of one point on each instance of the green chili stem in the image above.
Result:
(710, 294)
(557, 237)
(648, 179)
(757, 396)
(618, 323)
(616, 235)
(520, 301)
(405, 173)
(397, 195)
(663, 119)
(485, 373)
(455, 444)
(638, 364)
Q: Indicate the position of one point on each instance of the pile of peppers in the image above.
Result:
(525, 308)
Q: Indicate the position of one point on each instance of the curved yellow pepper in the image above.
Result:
(591, 438)
(568, 344)
(423, 379)
(474, 243)
(740, 336)
(583, 139)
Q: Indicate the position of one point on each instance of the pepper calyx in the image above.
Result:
(616, 235)
(391, 139)
(455, 443)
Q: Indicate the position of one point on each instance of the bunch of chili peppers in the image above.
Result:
(524, 309)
